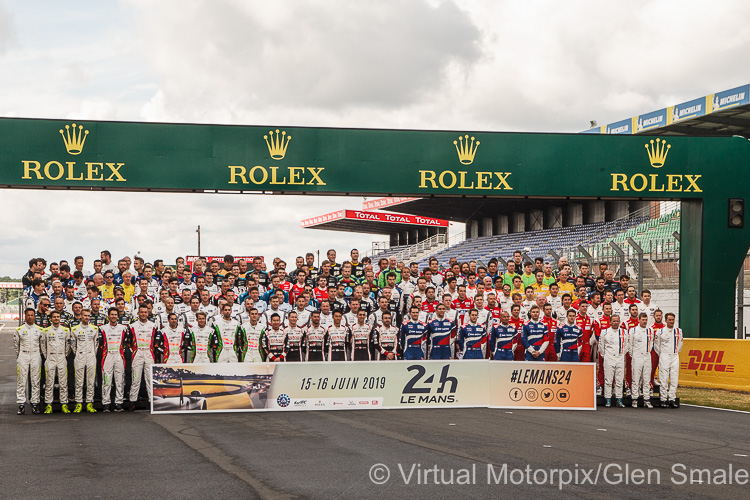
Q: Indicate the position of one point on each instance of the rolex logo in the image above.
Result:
(657, 153)
(73, 138)
(277, 145)
(466, 150)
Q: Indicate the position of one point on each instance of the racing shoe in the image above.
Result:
(635, 403)
(21, 410)
(647, 404)
(90, 408)
(35, 409)
(65, 408)
(672, 404)
(119, 408)
(608, 403)
(48, 409)
(78, 408)
(619, 403)
(106, 409)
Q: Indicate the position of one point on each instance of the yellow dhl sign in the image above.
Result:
(716, 364)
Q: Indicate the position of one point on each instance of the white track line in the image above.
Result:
(713, 408)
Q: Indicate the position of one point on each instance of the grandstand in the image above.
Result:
(539, 243)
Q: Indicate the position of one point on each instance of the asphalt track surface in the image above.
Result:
(331, 454)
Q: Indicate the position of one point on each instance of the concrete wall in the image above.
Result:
(501, 224)
(536, 220)
(574, 215)
(594, 212)
(553, 218)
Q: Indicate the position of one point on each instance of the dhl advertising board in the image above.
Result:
(365, 385)
(715, 364)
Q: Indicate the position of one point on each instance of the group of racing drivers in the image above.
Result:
(114, 321)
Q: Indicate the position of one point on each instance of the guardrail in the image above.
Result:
(419, 248)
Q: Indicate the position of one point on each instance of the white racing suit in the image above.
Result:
(85, 343)
(202, 336)
(28, 343)
(253, 334)
(174, 339)
(668, 346)
(640, 345)
(57, 344)
(113, 365)
(143, 357)
(229, 333)
(613, 343)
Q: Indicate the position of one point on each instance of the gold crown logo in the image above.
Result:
(466, 151)
(657, 153)
(277, 146)
(74, 139)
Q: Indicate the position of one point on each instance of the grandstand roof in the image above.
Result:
(723, 114)
(388, 201)
(359, 221)
(460, 209)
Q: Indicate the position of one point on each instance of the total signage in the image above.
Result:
(180, 157)
(397, 218)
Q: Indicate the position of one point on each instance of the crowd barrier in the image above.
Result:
(715, 364)
(234, 387)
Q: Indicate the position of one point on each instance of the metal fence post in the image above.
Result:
(621, 256)
(741, 303)
(554, 256)
(641, 262)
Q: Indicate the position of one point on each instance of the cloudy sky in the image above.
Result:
(428, 64)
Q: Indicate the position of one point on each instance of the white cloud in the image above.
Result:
(7, 28)
(62, 224)
(464, 64)
(234, 61)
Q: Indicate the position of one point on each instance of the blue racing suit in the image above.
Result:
(413, 337)
(440, 338)
(502, 342)
(568, 342)
(472, 341)
(534, 338)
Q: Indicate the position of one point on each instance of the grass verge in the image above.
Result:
(716, 398)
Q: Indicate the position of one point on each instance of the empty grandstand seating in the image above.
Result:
(387, 253)
(539, 242)
(658, 229)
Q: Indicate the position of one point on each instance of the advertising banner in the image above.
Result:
(537, 384)
(199, 158)
(716, 364)
(227, 387)
(687, 110)
(220, 259)
(367, 384)
(729, 98)
(396, 218)
(650, 121)
(621, 127)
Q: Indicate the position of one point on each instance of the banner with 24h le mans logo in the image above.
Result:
(227, 387)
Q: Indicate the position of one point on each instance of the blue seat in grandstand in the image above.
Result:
(541, 242)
